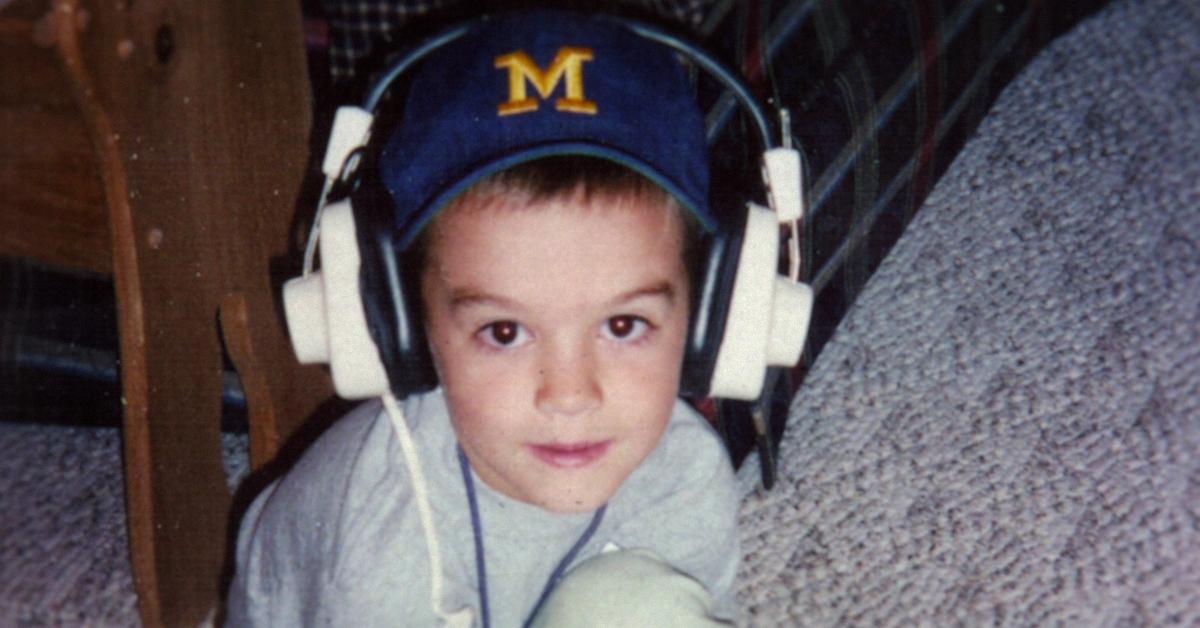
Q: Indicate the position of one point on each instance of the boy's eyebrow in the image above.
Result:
(662, 289)
(470, 297)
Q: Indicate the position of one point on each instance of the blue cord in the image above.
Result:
(561, 569)
(477, 530)
(480, 566)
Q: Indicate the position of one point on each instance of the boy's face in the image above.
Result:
(558, 331)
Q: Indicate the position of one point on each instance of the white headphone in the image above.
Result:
(357, 314)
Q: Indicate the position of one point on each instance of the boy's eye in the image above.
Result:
(626, 327)
(502, 334)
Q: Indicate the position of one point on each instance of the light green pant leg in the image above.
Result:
(627, 588)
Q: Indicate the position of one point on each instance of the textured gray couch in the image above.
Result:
(1006, 427)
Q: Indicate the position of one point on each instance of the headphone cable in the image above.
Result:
(461, 617)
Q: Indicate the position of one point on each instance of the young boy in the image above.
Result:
(549, 182)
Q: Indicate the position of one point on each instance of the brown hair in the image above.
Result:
(569, 175)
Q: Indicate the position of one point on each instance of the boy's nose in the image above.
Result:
(568, 385)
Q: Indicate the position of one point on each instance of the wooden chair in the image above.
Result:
(165, 142)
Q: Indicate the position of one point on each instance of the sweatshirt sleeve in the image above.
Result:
(241, 608)
(286, 550)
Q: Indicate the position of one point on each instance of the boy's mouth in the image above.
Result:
(570, 455)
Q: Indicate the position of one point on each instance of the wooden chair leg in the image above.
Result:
(279, 396)
(175, 481)
(199, 116)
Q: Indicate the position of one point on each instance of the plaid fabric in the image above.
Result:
(58, 338)
(359, 29)
(882, 96)
(58, 349)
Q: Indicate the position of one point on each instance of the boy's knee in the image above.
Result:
(627, 588)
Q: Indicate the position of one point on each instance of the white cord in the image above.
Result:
(461, 617)
(794, 251)
(785, 130)
(310, 247)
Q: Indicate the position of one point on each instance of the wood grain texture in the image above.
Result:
(51, 201)
(199, 115)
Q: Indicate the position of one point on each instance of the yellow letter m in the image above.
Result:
(522, 70)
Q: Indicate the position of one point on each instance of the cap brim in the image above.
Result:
(443, 198)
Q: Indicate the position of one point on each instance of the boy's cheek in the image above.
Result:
(452, 352)
(475, 384)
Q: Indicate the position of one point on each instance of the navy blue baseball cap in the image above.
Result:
(523, 86)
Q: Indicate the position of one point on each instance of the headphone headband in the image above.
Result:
(692, 52)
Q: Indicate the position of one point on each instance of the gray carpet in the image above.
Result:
(1006, 427)
(64, 554)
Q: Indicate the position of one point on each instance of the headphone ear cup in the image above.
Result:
(768, 314)
(325, 314)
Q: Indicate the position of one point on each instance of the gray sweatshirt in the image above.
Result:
(337, 541)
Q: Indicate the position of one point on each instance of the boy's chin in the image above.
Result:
(572, 507)
(568, 501)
